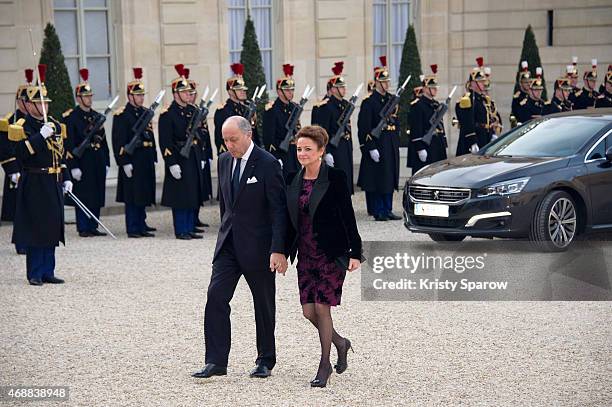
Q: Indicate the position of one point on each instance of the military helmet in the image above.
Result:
(286, 82)
(180, 83)
(477, 73)
(83, 88)
(563, 82)
(136, 86)
(192, 84)
(431, 81)
(592, 74)
(337, 81)
(537, 83)
(524, 74)
(22, 90)
(34, 90)
(381, 73)
(236, 82)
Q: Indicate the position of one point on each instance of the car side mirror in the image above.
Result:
(609, 154)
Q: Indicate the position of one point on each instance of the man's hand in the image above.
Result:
(107, 170)
(278, 263)
(474, 148)
(329, 159)
(67, 186)
(76, 173)
(128, 169)
(354, 264)
(375, 155)
(210, 161)
(422, 155)
(175, 170)
(47, 130)
(15, 178)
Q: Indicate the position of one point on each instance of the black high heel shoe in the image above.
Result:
(342, 363)
(322, 381)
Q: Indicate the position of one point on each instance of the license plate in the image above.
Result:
(440, 211)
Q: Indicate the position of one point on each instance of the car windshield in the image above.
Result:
(548, 137)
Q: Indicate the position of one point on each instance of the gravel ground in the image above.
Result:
(127, 330)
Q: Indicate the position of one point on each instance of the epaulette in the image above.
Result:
(547, 102)
(367, 96)
(16, 132)
(517, 94)
(465, 102)
(414, 101)
(4, 122)
(164, 110)
(63, 132)
(118, 111)
(578, 93)
(66, 113)
(321, 103)
(221, 105)
(522, 102)
(269, 105)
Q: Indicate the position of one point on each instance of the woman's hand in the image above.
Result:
(354, 264)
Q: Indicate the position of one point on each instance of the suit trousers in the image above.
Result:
(217, 327)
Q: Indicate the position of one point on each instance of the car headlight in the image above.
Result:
(504, 188)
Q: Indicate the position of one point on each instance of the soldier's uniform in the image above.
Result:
(535, 106)
(39, 216)
(518, 114)
(605, 99)
(422, 110)
(572, 75)
(233, 108)
(275, 120)
(473, 115)
(138, 190)
(89, 171)
(587, 96)
(379, 178)
(557, 105)
(327, 115)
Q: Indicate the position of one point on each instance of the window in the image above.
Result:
(83, 27)
(599, 151)
(390, 22)
(549, 27)
(261, 14)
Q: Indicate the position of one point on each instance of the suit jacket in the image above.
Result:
(257, 219)
(331, 210)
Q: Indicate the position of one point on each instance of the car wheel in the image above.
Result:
(555, 222)
(441, 237)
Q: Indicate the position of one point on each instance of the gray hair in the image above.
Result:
(243, 124)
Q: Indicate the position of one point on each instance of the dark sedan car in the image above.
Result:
(548, 180)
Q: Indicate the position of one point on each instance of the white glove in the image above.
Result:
(67, 186)
(128, 169)
(329, 159)
(15, 177)
(175, 170)
(375, 155)
(493, 137)
(202, 164)
(281, 163)
(107, 170)
(210, 160)
(422, 155)
(474, 148)
(76, 173)
(47, 130)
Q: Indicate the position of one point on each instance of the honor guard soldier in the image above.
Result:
(560, 102)
(472, 113)
(518, 113)
(90, 169)
(206, 155)
(235, 105)
(314, 118)
(8, 160)
(136, 177)
(422, 110)
(534, 106)
(182, 189)
(602, 87)
(572, 74)
(328, 116)
(586, 97)
(39, 216)
(379, 168)
(605, 99)
(276, 117)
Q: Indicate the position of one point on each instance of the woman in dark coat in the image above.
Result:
(323, 234)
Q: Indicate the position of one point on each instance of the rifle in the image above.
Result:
(437, 117)
(345, 118)
(388, 109)
(93, 129)
(196, 121)
(141, 125)
(294, 117)
(252, 104)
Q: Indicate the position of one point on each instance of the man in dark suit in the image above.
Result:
(251, 241)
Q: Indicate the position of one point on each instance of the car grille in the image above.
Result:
(436, 222)
(438, 194)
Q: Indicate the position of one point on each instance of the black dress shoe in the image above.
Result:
(53, 280)
(134, 235)
(210, 370)
(194, 236)
(147, 234)
(381, 218)
(392, 216)
(261, 371)
(96, 232)
(150, 229)
(197, 230)
(21, 251)
(322, 378)
(36, 281)
(200, 224)
(342, 363)
(85, 234)
(184, 237)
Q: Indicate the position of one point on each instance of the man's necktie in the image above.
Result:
(236, 179)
